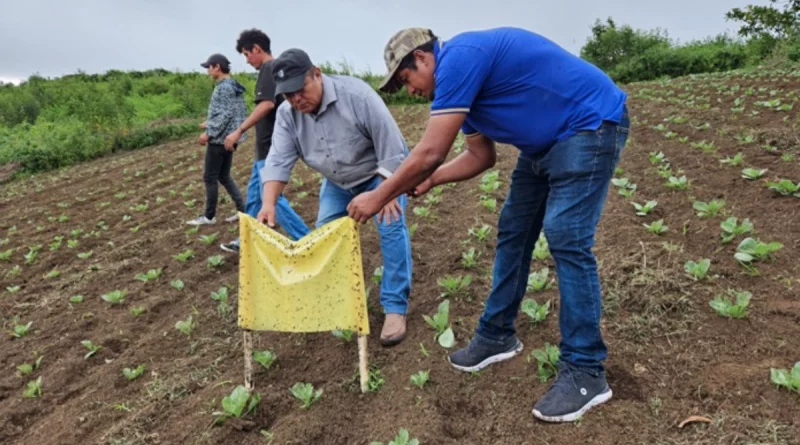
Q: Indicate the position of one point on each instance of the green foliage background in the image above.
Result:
(47, 124)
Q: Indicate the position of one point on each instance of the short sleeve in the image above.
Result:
(469, 130)
(265, 87)
(460, 74)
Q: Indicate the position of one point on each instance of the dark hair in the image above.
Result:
(225, 68)
(409, 61)
(251, 37)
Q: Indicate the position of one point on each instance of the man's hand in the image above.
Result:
(390, 212)
(203, 139)
(422, 188)
(267, 215)
(364, 206)
(232, 139)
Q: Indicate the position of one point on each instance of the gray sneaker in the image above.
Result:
(202, 220)
(480, 354)
(574, 392)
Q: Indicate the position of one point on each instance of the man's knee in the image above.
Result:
(563, 236)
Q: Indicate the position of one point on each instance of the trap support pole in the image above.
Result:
(362, 362)
(248, 360)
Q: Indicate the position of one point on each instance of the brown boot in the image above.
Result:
(394, 329)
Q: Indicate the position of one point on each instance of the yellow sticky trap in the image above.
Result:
(315, 284)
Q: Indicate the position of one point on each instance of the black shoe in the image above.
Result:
(480, 354)
(574, 392)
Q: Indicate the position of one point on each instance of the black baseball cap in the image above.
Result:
(289, 70)
(216, 59)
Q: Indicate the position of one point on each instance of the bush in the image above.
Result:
(630, 55)
(50, 145)
(47, 124)
(145, 137)
(698, 57)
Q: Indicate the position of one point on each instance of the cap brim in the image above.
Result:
(205, 64)
(291, 84)
(389, 84)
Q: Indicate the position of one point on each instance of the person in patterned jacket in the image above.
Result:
(226, 112)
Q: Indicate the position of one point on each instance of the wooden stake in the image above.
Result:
(362, 362)
(248, 360)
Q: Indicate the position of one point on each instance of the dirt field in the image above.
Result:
(671, 355)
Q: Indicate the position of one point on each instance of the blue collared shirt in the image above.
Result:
(519, 88)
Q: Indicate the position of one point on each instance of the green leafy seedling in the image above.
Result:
(266, 358)
(537, 312)
(697, 270)
(234, 404)
(21, 330)
(345, 334)
(184, 256)
(644, 209)
(186, 326)
(547, 361)
(115, 297)
(454, 285)
(133, 374)
(787, 379)
(708, 209)
(216, 261)
(731, 228)
(657, 227)
(751, 249)
(34, 388)
(150, 275)
(736, 308)
(91, 347)
(785, 187)
(403, 437)
(753, 173)
(439, 322)
(305, 393)
(538, 280)
(420, 378)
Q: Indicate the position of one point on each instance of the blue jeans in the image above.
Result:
(394, 238)
(285, 216)
(562, 191)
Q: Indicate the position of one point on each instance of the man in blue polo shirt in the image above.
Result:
(570, 123)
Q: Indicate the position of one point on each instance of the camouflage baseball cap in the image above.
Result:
(400, 45)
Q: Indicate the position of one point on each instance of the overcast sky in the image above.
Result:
(59, 37)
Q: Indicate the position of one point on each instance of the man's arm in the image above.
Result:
(272, 190)
(387, 139)
(480, 156)
(278, 165)
(425, 158)
(262, 109)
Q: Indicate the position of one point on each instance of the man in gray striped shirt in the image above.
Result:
(339, 126)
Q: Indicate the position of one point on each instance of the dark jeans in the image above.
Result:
(562, 191)
(218, 169)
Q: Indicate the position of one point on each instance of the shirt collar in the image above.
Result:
(437, 49)
(328, 94)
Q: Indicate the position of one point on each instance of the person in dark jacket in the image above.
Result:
(226, 112)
